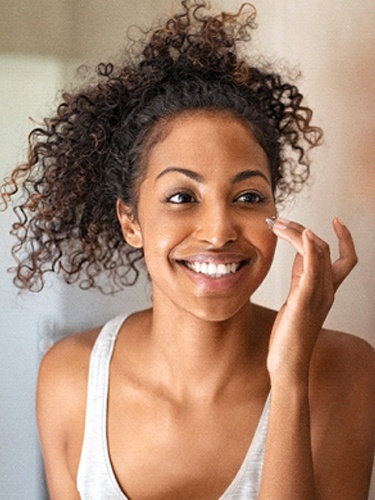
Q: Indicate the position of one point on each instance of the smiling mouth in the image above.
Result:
(213, 270)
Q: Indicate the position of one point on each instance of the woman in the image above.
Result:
(181, 155)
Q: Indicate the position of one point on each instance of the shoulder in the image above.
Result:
(60, 407)
(343, 388)
(68, 359)
(343, 370)
(342, 404)
(62, 380)
(343, 358)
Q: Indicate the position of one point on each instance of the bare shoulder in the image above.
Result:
(343, 372)
(61, 403)
(342, 403)
(62, 379)
(343, 359)
(73, 346)
(68, 360)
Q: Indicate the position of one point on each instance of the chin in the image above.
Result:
(216, 311)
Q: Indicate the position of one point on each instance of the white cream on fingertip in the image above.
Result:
(271, 222)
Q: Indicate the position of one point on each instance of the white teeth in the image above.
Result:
(221, 269)
(213, 270)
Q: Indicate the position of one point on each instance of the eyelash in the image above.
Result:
(259, 198)
(169, 199)
(253, 194)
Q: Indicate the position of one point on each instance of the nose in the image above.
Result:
(216, 225)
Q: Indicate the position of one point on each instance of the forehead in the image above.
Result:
(205, 139)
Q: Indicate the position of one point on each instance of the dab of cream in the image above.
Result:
(271, 222)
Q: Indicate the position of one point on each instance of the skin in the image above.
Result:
(192, 374)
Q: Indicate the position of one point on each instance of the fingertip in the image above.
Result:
(308, 240)
(270, 223)
(309, 234)
(340, 221)
(340, 228)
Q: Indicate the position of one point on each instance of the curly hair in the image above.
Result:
(94, 150)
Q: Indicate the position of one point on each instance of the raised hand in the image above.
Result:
(314, 282)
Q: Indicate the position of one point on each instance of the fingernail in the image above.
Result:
(281, 223)
(340, 221)
(283, 220)
(270, 223)
(309, 234)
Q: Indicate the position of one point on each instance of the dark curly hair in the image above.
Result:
(94, 151)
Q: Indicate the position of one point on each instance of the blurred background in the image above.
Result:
(41, 45)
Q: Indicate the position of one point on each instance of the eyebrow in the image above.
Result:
(185, 171)
(241, 176)
(248, 174)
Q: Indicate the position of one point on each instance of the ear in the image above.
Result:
(130, 228)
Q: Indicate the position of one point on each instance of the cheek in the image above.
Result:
(267, 235)
(264, 240)
(160, 237)
(271, 244)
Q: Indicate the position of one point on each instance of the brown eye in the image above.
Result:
(180, 198)
(250, 197)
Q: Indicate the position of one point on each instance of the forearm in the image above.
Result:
(288, 469)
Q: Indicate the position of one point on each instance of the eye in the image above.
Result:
(181, 198)
(250, 197)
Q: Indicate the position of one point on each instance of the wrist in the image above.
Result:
(296, 381)
(292, 399)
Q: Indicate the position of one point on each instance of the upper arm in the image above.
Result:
(343, 423)
(60, 407)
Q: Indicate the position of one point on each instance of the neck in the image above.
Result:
(199, 359)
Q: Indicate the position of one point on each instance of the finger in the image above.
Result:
(312, 262)
(314, 272)
(290, 231)
(317, 259)
(325, 255)
(347, 254)
(296, 226)
(326, 272)
(313, 269)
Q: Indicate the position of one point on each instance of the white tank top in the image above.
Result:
(96, 479)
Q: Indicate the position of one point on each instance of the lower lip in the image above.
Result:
(226, 282)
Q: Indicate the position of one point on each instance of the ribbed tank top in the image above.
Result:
(96, 479)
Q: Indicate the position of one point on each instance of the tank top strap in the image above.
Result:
(246, 484)
(100, 361)
(95, 472)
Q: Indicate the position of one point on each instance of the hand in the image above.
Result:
(314, 282)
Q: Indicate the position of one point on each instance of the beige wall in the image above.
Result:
(333, 43)
(40, 27)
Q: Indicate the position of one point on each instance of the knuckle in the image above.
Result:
(331, 295)
(325, 247)
(352, 262)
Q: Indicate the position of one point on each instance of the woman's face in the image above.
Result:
(201, 215)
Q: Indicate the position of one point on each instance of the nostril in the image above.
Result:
(217, 230)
